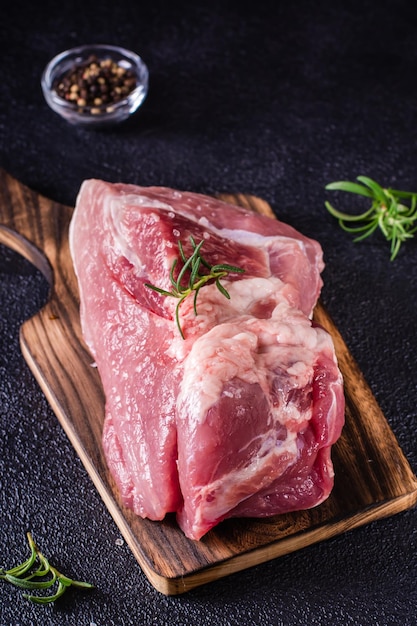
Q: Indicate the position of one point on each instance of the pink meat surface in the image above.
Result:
(236, 419)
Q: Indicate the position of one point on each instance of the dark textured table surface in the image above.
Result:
(274, 99)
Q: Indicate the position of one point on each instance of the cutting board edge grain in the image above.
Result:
(284, 547)
(52, 345)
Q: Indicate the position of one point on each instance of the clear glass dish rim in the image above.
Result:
(60, 104)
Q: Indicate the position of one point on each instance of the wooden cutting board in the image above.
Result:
(373, 478)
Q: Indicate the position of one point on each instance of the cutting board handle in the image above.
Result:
(34, 226)
(23, 246)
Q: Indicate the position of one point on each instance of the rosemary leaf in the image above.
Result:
(45, 576)
(350, 187)
(193, 267)
(388, 212)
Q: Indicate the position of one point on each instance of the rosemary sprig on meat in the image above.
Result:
(37, 574)
(191, 278)
(388, 212)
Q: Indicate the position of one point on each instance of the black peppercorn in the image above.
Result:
(96, 85)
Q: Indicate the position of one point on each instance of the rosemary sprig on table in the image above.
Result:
(388, 212)
(36, 573)
(190, 278)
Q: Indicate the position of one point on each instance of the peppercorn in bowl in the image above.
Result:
(95, 85)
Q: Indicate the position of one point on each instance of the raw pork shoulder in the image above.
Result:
(238, 417)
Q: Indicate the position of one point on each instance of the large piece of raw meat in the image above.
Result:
(238, 416)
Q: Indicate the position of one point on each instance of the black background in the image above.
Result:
(275, 99)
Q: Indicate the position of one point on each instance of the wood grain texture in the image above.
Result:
(373, 478)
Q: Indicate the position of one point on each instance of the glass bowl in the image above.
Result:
(126, 77)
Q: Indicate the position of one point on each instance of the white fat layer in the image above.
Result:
(130, 199)
(220, 495)
(214, 309)
(256, 240)
(113, 214)
(114, 211)
(247, 348)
